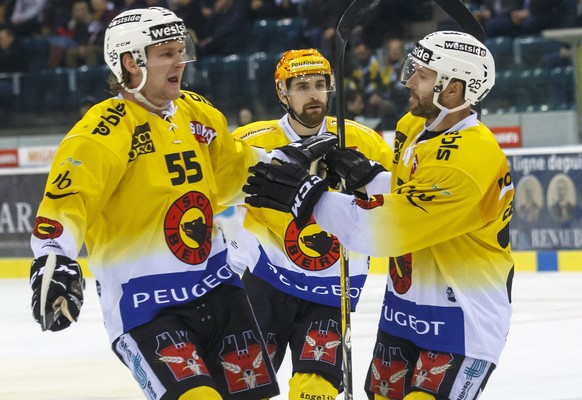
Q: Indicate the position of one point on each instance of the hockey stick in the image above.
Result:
(463, 17)
(47, 320)
(350, 18)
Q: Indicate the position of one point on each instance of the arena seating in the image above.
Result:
(524, 83)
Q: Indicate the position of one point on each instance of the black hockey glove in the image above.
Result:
(64, 297)
(352, 166)
(287, 187)
(305, 151)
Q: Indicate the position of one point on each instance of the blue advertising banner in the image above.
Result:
(548, 204)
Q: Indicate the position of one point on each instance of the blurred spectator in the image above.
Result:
(228, 20)
(518, 17)
(272, 9)
(89, 49)
(12, 59)
(393, 95)
(245, 116)
(12, 56)
(321, 19)
(289, 8)
(25, 16)
(384, 21)
(262, 9)
(192, 12)
(132, 4)
(354, 103)
(156, 3)
(70, 33)
(390, 18)
(365, 74)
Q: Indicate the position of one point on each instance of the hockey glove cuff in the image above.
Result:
(352, 166)
(287, 187)
(64, 296)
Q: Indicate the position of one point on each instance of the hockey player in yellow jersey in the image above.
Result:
(293, 266)
(442, 216)
(138, 180)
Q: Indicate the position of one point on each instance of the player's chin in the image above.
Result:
(174, 91)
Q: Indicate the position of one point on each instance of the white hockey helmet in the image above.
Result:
(133, 30)
(453, 55)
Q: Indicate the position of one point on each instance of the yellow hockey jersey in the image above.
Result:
(301, 262)
(141, 192)
(445, 225)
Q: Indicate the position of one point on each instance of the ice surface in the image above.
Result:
(540, 361)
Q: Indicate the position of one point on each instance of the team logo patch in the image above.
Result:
(321, 343)
(201, 132)
(188, 228)
(244, 365)
(180, 355)
(399, 140)
(141, 142)
(311, 248)
(388, 372)
(400, 269)
(45, 228)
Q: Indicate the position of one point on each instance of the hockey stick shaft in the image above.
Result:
(463, 17)
(350, 18)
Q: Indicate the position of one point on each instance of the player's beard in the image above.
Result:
(425, 108)
(312, 117)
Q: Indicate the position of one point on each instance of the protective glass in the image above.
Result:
(409, 67)
(309, 85)
(174, 51)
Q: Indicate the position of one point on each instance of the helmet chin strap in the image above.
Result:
(140, 97)
(444, 111)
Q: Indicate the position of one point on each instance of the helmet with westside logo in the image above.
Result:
(296, 63)
(454, 55)
(133, 30)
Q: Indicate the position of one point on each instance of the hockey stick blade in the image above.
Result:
(48, 319)
(463, 17)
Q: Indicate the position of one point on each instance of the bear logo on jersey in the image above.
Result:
(45, 228)
(311, 248)
(188, 228)
(400, 269)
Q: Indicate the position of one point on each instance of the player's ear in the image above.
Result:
(129, 63)
(456, 88)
